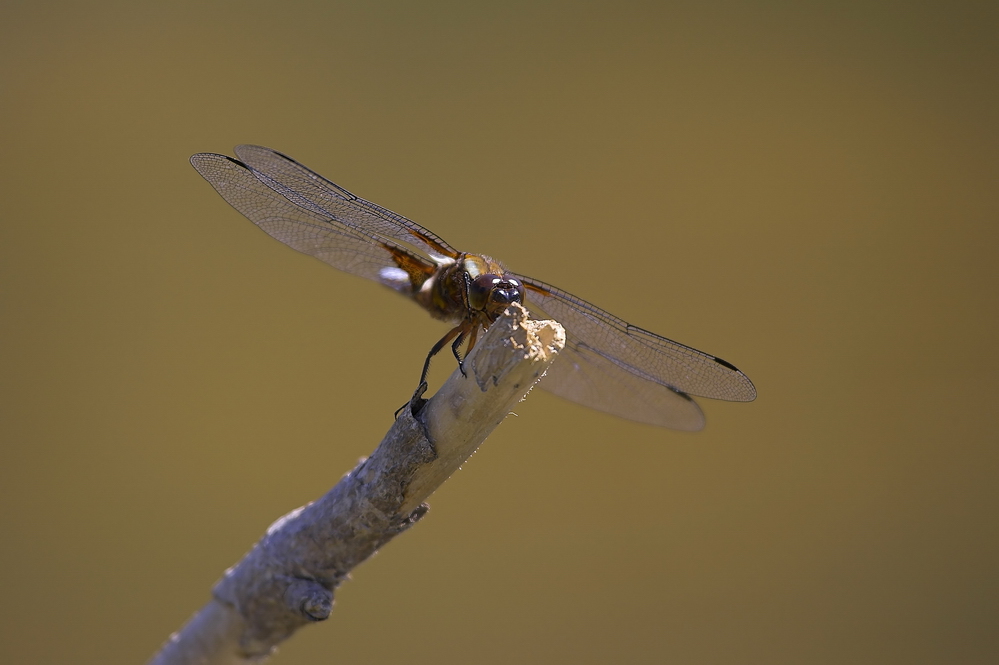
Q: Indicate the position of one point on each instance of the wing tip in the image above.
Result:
(202, 157)
(199, 157)
(203, 163)
(749, 389)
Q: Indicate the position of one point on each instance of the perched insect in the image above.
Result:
(607, 364)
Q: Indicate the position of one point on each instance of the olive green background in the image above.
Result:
(808, 190)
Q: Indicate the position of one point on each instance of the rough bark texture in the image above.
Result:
(287, 580)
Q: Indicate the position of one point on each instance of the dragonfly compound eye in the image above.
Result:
(506, 291)
(481, 289)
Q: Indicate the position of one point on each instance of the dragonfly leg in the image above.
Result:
(417, 401)
(457, 354)
(457, 331)
(474, 335)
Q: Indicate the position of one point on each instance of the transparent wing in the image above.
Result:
(286, 175)
(608, 364)
(303, 226)
(612, 366)
(584, 377)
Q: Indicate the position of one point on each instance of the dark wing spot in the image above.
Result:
(284, 156)
(725, 363)
(681, 394)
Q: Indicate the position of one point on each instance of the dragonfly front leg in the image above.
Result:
(459, 332)
(457, 354)
(417, 401)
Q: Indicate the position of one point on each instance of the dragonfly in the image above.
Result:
(607, 363)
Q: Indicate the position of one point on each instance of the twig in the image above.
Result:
(288, 578)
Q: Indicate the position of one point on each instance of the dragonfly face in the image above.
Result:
(490, 289)
(607, 364)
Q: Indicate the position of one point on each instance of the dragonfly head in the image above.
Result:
(492, 293)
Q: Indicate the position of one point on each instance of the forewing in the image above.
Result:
(631, 372)
(583, 376)
(339, 204)
(303, 226)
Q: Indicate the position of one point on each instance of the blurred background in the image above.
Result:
(806, 190)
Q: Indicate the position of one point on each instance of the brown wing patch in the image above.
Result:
(536, 288)
(433, 242)
(419, 270)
